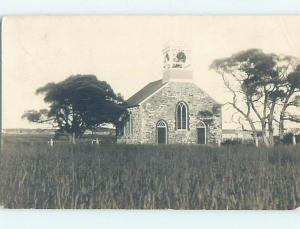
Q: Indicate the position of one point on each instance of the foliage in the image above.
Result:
(33, 175)
(78, 103)
(288, 138)
(207, 117)
(206, 114)
(38, 116)
(263, 86)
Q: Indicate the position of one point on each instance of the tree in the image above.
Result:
(38, 116)
(290, 98)
(79, 103)
(262, 85)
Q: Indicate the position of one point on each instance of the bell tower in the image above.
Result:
(177, 63)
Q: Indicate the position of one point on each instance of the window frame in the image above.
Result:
(180, 105)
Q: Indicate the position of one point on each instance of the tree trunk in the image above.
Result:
(281, 130)
(264, 134)
(70, 138)
(282, 115)
(73, 138)
(262, 119)
(281, 123)
(255, 138)
(271, 136)
(270, 125)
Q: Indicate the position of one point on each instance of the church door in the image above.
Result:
(201, 131)
(162, 132)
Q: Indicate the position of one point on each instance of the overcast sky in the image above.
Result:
(125, 52)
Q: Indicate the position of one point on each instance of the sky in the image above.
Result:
(126, 51)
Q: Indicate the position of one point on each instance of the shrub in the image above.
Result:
(288, 138)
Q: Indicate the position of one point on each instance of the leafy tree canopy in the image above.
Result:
(78, 103)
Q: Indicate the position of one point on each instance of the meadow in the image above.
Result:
(111, 176)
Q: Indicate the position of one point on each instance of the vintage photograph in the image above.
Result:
(150, 112)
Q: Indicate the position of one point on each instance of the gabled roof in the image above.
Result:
(145, 92)
(150, 89)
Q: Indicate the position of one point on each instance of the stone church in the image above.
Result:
(172, 110)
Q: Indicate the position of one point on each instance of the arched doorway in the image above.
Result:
(201, 133)
(162, 132)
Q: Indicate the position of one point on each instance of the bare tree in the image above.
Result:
(261, 85)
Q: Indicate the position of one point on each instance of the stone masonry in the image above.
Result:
(161, 105)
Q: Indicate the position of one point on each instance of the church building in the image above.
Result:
(172, 110)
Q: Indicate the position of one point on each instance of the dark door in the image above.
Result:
(162, 135)
(201, 135)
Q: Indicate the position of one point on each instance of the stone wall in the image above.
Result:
(134, 136)
(162, 106)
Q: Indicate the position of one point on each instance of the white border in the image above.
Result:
(149, 219)
(153, 7)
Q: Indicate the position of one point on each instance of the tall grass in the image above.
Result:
(34, 175)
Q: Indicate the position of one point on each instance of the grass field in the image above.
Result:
(35, 175)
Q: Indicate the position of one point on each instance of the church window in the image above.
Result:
(182, 116)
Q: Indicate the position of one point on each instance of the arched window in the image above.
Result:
(181, 116)
(162, 132)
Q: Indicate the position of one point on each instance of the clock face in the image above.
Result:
(181, 57)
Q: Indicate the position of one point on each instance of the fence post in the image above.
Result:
(219, 142)
(256, 142)
(1, 146)
(294, 139)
